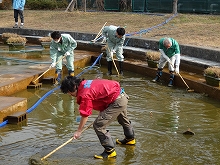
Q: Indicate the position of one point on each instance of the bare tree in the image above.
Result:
(123, 5)
(100, 4)
(175, 6)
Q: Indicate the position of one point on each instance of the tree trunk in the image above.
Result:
(175, 6)
(100, 5)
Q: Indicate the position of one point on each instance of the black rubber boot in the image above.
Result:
(121, 64)
(158, 75)
(109, 67)
(170, 84)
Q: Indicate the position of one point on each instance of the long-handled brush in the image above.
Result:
(188, 88)
(64, 143)
(34, 82)
(35, 161)
(112, 59)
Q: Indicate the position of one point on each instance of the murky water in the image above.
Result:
(159, 115)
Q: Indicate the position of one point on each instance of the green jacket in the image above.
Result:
(110, 33)
(174, 49)
(68, 45)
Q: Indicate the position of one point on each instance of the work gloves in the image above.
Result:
(104, 40)
(165, 56)
(67, 54)
(111, 53)
(53, 65)
(177, 69)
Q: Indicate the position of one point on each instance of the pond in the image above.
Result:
(159, 115)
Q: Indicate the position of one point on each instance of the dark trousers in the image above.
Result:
(20, 13)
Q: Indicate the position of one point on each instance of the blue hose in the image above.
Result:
(3, 123)
(52, 90)
(144, 30)
(41, 99)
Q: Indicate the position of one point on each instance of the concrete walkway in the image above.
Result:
(15, 78)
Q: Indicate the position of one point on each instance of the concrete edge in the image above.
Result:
(212, 54)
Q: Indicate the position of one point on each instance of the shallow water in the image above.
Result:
(159, 115)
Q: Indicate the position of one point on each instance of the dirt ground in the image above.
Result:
(191, 29)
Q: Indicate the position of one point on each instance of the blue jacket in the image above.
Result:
(18, 4)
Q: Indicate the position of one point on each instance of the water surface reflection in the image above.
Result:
(159, 115)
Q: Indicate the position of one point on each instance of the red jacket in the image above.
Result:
(96, 94)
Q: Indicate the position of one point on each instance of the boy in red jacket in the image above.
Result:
(107, 97)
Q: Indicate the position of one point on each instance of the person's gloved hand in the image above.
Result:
(104, 40)
(168, 59)
(67, 54)
(53, 65)
(177, 69)
(164, 55)
(111, 53)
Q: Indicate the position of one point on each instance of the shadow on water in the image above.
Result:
(159, 115)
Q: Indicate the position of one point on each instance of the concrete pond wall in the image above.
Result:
(193, 58)
(212, 54)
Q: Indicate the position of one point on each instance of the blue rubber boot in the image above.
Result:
(159, 74)
(170, 84)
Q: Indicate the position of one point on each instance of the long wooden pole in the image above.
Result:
(99, 33)
(112, 59)
(188, 88)
(34, 82)
(64, 143)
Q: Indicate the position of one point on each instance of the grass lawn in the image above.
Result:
(191, 29)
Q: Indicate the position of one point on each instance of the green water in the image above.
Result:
(159, 115)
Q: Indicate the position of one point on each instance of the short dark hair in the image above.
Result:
(55, 35)
(120, 31)
(70, 84)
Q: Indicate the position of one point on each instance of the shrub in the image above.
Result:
(153, 55)
(17, 39)
(213, 71)
(6, 4)
(41, 4)
(7, 35)
(45, 39)
(62, 3)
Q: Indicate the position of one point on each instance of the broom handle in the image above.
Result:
(49, 68)
(184, 81)
(113, 60)
(100, 32)
(64, 143)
